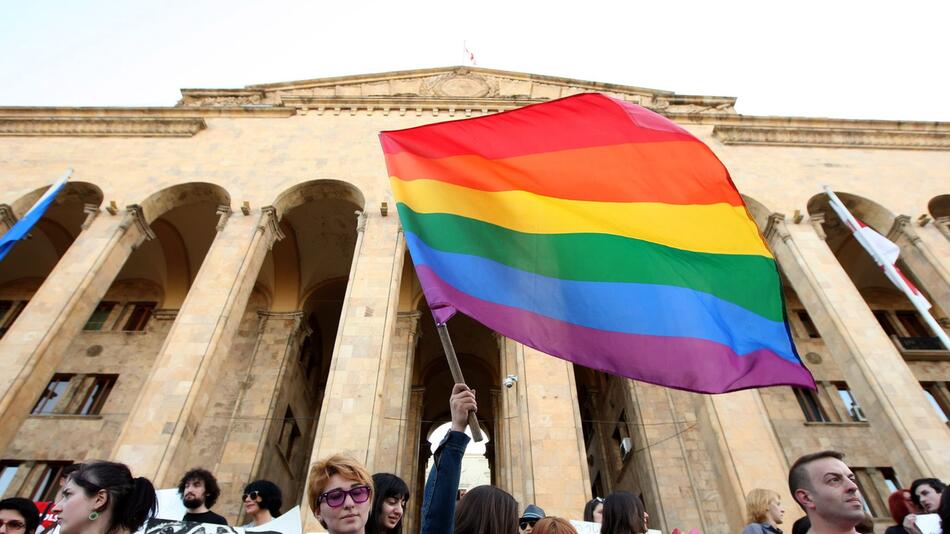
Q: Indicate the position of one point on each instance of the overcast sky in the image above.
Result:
(823, 59)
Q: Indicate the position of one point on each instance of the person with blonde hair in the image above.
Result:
(339, 490)
(765, 512)
(554, 525)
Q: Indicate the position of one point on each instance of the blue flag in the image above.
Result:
(26, 223)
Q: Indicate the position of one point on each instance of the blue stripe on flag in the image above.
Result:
(26, 223)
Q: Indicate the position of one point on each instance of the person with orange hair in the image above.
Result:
(554, 525)
(339, 489)
(900, 504)
(764, 508)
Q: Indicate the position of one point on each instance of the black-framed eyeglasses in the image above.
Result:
(526, 523)
(254, 495)
(336, 498)
(12, 524)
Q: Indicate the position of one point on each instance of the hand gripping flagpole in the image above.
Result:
(457, 375)
(890, 270)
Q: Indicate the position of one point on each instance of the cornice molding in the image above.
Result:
(832, 137)
(100, 127)
(135, 113)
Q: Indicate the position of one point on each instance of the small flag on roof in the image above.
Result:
(600, 232)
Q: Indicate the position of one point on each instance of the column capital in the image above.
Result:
(7, 216)
(136, 217)
(413, 319)
(776, 227)
(360, 220)
(224, 212)
(91, 211)
(902, 227)
(943, 224)
(270, 221)
(816, 220)
(264, 316)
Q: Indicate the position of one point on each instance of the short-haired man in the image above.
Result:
(199, 491)
(824, 486)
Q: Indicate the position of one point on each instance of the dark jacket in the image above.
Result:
(438, 501)
(761, 528)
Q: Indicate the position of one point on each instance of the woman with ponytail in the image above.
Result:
(104, 498)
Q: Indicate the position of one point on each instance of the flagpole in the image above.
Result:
(457, 375)
(889, 270)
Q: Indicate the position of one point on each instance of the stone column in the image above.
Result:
(395, 426)
(905, 423)
(35, 344)
(255, 413)
(746, 452)
(495, 453)
(409, 455)
(516, 472)
(943, 226)
(930, 272)
(558, 455)
(156, 440)
(7, 217)
(408, 469)
(352, 408)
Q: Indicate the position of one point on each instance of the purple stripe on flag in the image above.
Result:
(683, 363)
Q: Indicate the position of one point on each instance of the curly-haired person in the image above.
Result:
(199, 491)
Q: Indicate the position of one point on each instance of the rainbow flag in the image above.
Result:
(597, 231)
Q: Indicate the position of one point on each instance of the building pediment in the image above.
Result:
(449, 87)
(457, 92)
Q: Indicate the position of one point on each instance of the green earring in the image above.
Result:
(93, 515)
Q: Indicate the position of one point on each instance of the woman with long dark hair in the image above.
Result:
(594, 510)
(389, 504)
(104, 498)
(943, 511)
(486, 510)
(623, 514)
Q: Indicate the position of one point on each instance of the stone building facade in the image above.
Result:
(224, 283)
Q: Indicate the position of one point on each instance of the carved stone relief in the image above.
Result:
(221, 101)
(465, 85)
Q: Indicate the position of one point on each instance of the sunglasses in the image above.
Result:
(254, 495)
(12, 524)
(526, 524)
(336, 498)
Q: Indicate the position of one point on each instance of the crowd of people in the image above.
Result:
(102, 497)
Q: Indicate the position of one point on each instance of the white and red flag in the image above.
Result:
(885, 253)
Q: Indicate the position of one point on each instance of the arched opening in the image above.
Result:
(105, 367)
(476, 469)
(894, 312)
(31, 260)
(305, 277)
(939, 207)
(479, 359)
